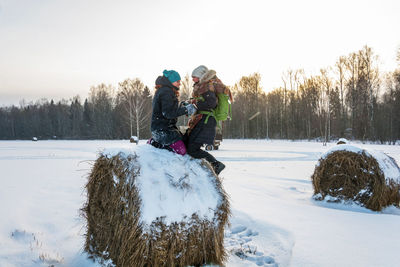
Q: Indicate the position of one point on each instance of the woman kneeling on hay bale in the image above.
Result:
(139, 214)
(349, 173)
(166, 110)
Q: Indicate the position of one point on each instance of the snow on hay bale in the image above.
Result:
(150, 207)
(134, 139)
(369, 178)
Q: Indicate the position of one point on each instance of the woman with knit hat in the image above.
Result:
(201, 126)
(166, 110)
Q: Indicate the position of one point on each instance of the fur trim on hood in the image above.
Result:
(210, 74)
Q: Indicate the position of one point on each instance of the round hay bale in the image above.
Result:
(342, 141)
(151, 207)
(348, 173)
(134, 139)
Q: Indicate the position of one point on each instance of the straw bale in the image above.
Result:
(134, 139)
(349, 176)
(116, 235)
(342, 141)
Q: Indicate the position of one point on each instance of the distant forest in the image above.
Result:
(351, 99)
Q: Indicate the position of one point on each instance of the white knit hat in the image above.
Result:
(199, 71)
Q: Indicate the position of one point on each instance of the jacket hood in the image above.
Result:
(163, 81)
(210, 74)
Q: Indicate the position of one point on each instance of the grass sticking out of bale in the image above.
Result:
(346, 175)
(116, 236)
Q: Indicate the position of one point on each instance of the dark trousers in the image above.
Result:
(193, 149)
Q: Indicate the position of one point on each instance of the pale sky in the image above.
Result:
(60, 48)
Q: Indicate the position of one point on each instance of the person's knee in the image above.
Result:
(192, 149)
(179, 147)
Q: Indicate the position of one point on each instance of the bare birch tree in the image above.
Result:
(326, 87)
(185, 94)
(341, 80)
(131, 94)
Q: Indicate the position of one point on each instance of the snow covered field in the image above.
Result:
(275, 222)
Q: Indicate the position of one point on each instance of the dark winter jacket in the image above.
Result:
(166, 110)
(206, 100)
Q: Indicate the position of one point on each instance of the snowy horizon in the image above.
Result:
(275, 221)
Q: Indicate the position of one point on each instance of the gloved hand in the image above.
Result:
(191, 109)
(184, 103)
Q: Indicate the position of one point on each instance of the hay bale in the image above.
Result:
(134, 139)
(342, 141)
(150, 207)
(348, 173)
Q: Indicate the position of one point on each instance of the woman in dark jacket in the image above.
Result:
(202, 126)
(166, 111)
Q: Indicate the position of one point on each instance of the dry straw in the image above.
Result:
(347, 175)
(116, 234)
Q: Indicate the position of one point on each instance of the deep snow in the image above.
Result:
(194, 190)
(275, 221)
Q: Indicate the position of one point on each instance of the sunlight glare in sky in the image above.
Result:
(59, 49)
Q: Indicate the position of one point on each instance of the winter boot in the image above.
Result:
(218, 167)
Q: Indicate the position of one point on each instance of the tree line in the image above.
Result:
(351, 99)
(107, 113)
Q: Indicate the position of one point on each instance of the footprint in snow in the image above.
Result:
(238, 241)
(33, 244)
